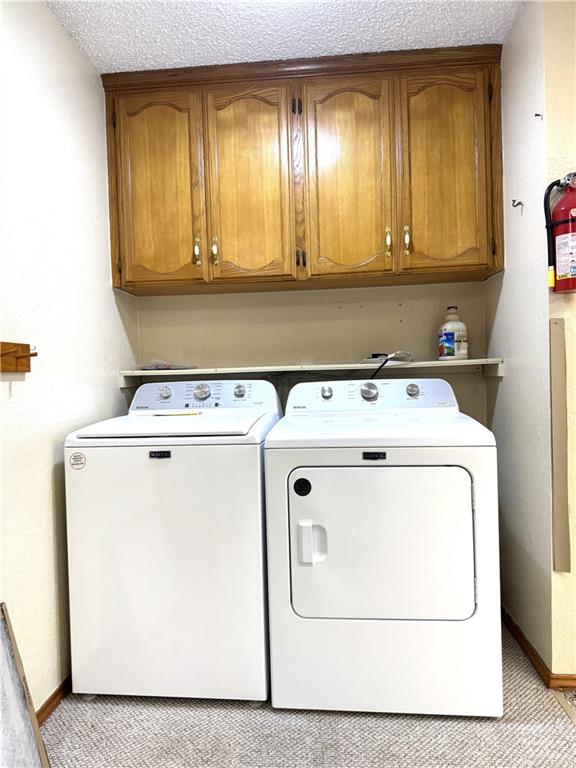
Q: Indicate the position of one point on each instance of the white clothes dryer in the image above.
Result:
(165, 517)
(383, 562)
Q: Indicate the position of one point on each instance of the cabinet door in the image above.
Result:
(161, 197)
(443, 200)
(250, 200)
(349, 197)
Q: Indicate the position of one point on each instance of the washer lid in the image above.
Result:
(209, 423)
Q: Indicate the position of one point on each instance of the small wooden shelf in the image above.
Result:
(15, 357)
(488, 366)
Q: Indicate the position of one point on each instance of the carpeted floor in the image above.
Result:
(129, 732)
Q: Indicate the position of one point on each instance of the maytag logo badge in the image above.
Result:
(160, 454)
(373, 455)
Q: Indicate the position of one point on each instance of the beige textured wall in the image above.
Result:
(312, 326)
(560, 73)
(54, 293)
(517, 329)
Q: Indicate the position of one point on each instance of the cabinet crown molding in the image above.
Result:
(389, 61)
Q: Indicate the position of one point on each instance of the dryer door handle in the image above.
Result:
(312, 547)
(306, 541)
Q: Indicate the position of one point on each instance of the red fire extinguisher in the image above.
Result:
(561, 227)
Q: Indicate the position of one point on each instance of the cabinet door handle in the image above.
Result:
(388, 242)
(215, 251)
(196, 249)
(406, 240)
(297, 257)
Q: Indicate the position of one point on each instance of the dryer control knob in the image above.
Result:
(369, 391)
(327, 393)
(201, 392)
(165, 393)
(412, 390)
(239, 390)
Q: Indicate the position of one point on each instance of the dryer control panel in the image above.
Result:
(194, 395)
(372, 394)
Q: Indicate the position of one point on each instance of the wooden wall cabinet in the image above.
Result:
(443, 175)
(160, 188)
(356, 170)
(250, 208)
(349, 210)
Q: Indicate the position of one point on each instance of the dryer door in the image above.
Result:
(382, 542)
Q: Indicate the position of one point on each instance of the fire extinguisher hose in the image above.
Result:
(548, 217)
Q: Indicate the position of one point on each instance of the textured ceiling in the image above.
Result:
(125, 36)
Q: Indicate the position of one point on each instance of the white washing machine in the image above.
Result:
(165, 519)
(383, 566)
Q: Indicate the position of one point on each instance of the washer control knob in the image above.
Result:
(239, 390)
(201, 392)
(412, 390)
(165, 392)
(327, 393)
(369, 391)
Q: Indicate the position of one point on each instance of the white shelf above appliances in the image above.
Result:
(492, 367)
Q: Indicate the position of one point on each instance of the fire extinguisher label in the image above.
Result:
(566, 256)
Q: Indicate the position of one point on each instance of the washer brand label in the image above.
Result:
(160, 454)
(373, 455)
(77, 460)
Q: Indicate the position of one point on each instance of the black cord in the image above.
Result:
(377, 371)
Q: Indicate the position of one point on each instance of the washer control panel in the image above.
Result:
(372, 394)
(182, 396)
